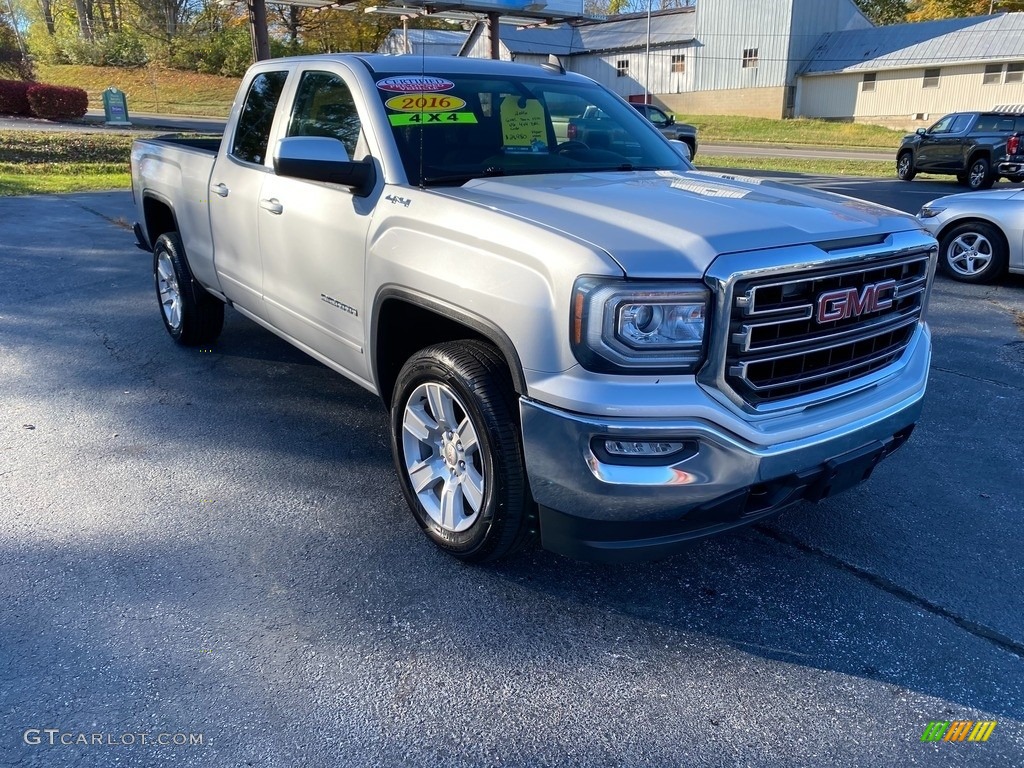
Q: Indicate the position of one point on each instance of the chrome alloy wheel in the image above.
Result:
(442, 456)
(167, 287)
(976, 178)
(903, 165)
(969, 254)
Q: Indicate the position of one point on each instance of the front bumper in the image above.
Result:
(591, 509)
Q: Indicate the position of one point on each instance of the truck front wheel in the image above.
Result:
(191, 316)
(455, 439)
(905, 167)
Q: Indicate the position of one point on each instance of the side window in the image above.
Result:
(960, 124)
(253, 131)
(943, 125)
(324, 107)
(986, 123)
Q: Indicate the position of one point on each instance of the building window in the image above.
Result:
(749, 58)
(931, 78)
(993, 74)
(621, 68)
(868, 83)
(1015, 72)
(678, 62)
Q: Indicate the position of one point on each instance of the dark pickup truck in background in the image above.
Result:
(1011, 166)
(668, 126)
(967, 144)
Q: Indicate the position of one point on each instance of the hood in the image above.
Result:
(673, 224)
(976, 197)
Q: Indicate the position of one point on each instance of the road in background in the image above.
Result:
(214, 543)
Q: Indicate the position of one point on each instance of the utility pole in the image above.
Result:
(258, 29)
(647, 74)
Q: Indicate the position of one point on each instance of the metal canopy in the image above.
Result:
(520, 12)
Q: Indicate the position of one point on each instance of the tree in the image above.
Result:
(925, 10)
(13, 62)
(882, 12)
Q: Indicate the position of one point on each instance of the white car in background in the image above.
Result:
(980, 234)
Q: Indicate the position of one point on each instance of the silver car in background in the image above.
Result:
(980, 234)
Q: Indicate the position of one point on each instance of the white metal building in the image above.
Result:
(779, 58)
(429, 42)
(720, 57)
(916, 71)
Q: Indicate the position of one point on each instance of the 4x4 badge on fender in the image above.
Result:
(849, 302)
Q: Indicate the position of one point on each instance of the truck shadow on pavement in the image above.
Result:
(215, 540)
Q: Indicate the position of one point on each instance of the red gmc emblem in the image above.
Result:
(849, 302)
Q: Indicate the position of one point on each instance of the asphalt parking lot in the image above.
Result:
(212, 546)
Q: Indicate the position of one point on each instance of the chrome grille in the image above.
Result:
(798, 335)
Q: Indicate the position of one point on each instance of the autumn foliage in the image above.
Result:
(14, 97)
(55, 102)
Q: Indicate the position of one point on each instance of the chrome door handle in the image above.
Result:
(220, 189)
(273, 205)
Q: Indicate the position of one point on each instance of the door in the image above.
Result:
(939, 144)
(234, 193)
(313, 235)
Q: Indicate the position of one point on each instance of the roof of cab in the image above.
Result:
(409, 64)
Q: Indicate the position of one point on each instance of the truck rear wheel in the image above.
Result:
(191, 315)
(456, 443)
(979, 175)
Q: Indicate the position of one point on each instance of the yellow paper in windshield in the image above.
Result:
(522, 125)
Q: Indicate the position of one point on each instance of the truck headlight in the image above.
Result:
(639, 327)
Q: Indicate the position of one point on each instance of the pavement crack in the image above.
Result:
(117, 221)
(980, 631)
(981, 379)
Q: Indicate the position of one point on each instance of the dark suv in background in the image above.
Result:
(967, 144)
(668, 126)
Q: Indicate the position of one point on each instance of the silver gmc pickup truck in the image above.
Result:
(596, 345)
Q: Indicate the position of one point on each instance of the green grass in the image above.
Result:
(872, 168)
(718, 129)
(37, 162)
(149, 89)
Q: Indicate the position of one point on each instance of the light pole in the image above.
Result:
(647, 73)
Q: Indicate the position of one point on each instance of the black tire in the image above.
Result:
(905, 166)
(973, 252)
(192, 316)
(979, 174)
(467, 384)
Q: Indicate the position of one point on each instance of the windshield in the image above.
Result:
(453, 128)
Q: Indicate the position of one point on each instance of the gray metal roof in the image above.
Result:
(927, 43)
(668, 27)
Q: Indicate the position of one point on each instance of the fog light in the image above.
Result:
(636, 450)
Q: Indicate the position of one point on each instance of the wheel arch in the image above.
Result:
(158, 216)
(980, 152)
(974, 218)
(396, 311)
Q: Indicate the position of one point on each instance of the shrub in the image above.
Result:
(123, 49)
(14, 97)
(54, 102)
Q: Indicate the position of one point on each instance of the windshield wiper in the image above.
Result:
(462, 178)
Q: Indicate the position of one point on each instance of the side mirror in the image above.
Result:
(921, 131)
(681, 148)
(319, 158)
